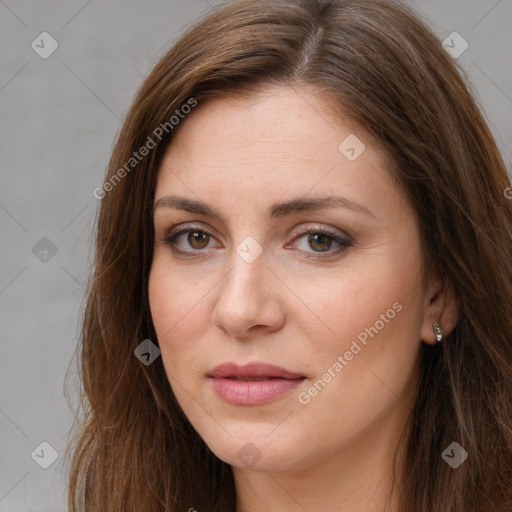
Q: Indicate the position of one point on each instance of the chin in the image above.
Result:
(255, 450)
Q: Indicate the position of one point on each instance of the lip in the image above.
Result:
(253, 383)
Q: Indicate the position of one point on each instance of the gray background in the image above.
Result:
(59, 117)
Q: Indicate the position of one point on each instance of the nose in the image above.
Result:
(249, 301)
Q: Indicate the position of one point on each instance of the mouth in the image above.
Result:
(252, 371)
(253, 379)
(252, 384)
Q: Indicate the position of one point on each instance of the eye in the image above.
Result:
(190, 241)
(192, 237)
(321, 241)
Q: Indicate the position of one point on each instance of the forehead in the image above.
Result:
(278, 120)
(262, 148)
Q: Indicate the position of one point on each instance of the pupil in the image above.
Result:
(197, 237)
(320, 239)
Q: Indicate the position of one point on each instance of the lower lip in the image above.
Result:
(245, 392)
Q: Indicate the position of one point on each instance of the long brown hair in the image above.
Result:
(379, 62)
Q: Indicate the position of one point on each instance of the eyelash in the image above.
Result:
(345, 243)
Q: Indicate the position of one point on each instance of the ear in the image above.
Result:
(441, 306)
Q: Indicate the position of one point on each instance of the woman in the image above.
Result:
(302, 292)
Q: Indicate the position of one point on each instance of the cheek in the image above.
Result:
(178, 310)
(172, 293)
(374, 316)
(167, 300)
(383, 301)
(366, 352)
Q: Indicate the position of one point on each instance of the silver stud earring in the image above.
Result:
(438, 331)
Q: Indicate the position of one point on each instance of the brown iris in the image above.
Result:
(198, 237)
(320, 241)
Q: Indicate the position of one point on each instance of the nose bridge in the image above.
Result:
(245, 281)
(248, 262)
(246, 296)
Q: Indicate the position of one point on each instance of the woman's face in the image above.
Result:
(268, 271)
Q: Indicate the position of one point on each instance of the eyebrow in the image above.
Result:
(277, 210)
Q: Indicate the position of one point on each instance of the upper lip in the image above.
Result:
(252, 370)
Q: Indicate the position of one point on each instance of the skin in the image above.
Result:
(240, 155)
